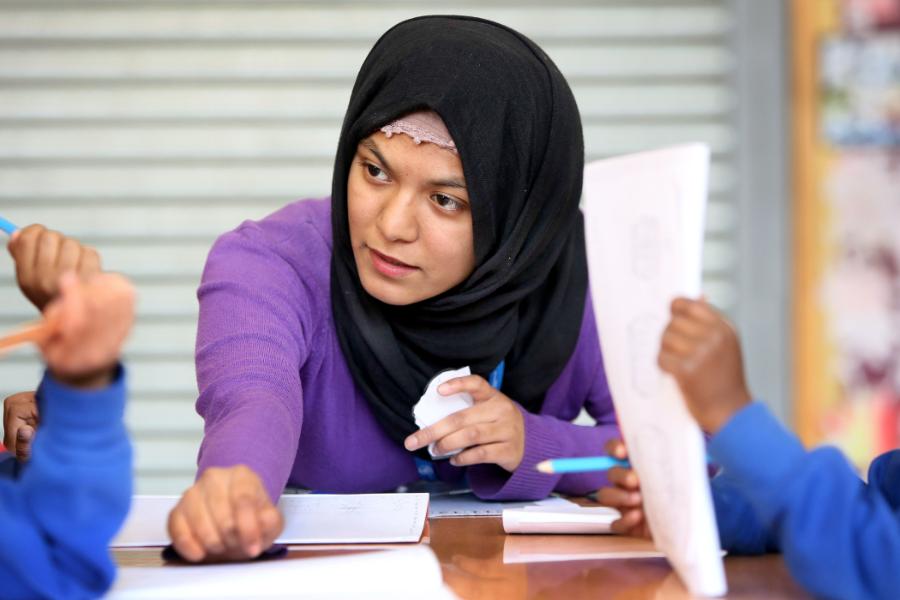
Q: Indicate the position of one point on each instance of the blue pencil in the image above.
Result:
(6, 226)
(581, 464)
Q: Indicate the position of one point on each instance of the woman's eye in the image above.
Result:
(447, 203)
(375, 172)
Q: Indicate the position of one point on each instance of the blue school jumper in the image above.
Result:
(840, 536)
(59, 515)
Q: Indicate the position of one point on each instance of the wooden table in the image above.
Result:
(471, 549)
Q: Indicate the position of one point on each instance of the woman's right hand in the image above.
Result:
(624, 495)
(225, 516)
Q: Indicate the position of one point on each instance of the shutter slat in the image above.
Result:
(221, 22)
(261, 103)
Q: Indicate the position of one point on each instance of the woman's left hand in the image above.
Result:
(491, 431)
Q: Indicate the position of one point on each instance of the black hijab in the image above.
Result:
(518, 133)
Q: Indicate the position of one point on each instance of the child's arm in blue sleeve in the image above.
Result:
(884, 475)
(58, 518)
(840, 538)
(740, 531)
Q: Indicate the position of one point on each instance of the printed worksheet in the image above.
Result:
(353, 518)
(644, 218)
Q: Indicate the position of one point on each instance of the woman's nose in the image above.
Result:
(397, 219)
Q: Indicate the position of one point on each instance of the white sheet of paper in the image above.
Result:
(644, 218)
(469, 505)
(365, 575)
(309, 519)
(432, 407)
(572, 519)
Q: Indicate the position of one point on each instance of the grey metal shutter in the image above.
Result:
(147, 128)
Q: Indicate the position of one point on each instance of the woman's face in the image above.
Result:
(410, 221)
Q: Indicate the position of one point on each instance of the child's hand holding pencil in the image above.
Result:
(624, 495)
(87, 316)
(82, 332)
(42, 256)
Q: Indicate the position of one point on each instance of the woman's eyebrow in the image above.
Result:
(450, 182)
(370, 145)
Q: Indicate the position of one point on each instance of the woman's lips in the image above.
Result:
(388, 265)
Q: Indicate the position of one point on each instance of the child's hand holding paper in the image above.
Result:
(701, 350)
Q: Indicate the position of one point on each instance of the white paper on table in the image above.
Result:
(469, 505)
(308, 518)
(411, 573)
(563, 548)
(644, 231)
(432, 406)
(559, 519)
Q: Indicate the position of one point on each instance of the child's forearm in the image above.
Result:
(839, 537)
(72, 498)
(93, 380)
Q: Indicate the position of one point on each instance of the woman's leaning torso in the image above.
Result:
(341, 447)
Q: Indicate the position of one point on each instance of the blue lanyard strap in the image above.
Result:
(496, 376)
(425, 468)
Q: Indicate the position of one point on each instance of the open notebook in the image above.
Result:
(309, 519)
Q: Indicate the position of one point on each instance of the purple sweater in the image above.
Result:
(276, 393)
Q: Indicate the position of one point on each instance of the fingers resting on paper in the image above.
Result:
(225, 516)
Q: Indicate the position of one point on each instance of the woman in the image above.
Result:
(452, 238)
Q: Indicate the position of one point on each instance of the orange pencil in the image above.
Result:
(32, 332)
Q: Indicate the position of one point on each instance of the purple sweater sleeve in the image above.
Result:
(552, 435)
(251, 340)
(591, 440)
